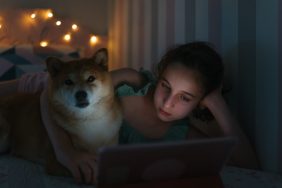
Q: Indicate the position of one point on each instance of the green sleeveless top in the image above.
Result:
(129, 135)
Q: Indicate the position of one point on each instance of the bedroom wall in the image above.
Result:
(246, 33)
(91, 13)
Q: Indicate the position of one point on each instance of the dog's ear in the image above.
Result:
(101, 58)
(54, 65)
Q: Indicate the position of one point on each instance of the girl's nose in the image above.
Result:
(169, 101)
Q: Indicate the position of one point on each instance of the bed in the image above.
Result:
(16, 173)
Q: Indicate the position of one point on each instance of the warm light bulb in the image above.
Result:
(33, 15)
(58, 23)
(49, 14)
(67, 37)
(93, 40)
(43, 43)
(74, 27)
(0, 26)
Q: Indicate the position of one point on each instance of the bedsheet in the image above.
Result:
(17, 173)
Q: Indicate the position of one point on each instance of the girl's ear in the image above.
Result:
(54, 65)
(101, 58)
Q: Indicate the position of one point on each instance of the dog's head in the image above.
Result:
(78, 84)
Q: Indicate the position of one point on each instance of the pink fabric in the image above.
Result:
(33, 82)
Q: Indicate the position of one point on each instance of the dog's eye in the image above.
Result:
(91, 79)
(68, 82)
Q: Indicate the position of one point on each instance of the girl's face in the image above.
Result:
(178, 92)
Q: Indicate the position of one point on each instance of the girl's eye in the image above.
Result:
(91, 79)
(68, 82)
(184, 98)
(164, 85)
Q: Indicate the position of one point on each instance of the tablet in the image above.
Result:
(135, 163)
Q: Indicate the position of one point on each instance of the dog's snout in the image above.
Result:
(81, 99)
(80, 95)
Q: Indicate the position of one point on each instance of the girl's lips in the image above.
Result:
(164, 112)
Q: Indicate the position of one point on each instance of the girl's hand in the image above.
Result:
(81, 164)
(212, 98)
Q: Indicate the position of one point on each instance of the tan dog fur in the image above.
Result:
(81, 100)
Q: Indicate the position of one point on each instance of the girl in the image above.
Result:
(188, 77)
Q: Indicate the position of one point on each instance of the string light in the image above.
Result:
(93, 40)
(44, 43)
(49, 14)
(67, 37)
(37, 16)
(1, 22)
(33, 15)
(58, 23)
(74, 27)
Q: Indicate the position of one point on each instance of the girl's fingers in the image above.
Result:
(91, 162)
(92, 165)
(86, 172)
(81, 166)
(76, 174)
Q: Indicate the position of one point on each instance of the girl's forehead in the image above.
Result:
(179, 69)
(184, 78)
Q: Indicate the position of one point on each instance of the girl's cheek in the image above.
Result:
(158, 92)
(157, 96)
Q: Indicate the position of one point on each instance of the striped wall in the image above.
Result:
(246, 33)
(267, 80)
(279, 84)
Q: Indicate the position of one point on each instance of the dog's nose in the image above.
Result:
(80, 95)
(81, 99)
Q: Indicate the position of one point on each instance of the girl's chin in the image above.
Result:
(164, 118)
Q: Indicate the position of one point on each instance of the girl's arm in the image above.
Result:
(28, 83)
(243, 154)
(128, 76)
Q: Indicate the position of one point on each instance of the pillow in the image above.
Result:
(57, 51)
(10, 61)
(21, 59)
(7, 70)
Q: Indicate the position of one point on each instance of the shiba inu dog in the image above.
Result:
(81, 99)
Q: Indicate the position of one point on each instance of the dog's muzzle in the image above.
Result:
(81, 99)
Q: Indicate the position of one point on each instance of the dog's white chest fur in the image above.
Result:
(91, 129)
(100, 132)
